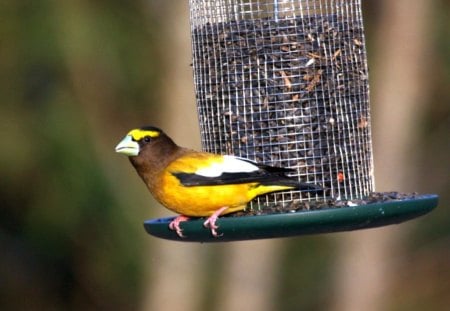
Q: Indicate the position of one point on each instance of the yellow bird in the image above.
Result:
(200, 184)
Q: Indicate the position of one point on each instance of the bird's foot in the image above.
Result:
(211, 221)
(175, 225)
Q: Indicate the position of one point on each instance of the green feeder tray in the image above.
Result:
(289, 224)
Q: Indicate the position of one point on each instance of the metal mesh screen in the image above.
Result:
(285, 83)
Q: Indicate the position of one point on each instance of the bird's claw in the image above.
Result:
(175, 225)
(211, 222)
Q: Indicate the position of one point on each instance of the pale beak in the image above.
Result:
(128, 146)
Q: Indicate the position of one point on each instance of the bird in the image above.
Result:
(200, 184)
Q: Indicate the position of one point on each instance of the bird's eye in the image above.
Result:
(146, 139)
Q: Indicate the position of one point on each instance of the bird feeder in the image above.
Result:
(285, 83)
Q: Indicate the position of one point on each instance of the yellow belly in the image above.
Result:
(199, 201)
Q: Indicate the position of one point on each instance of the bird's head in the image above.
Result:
(138, 140)
(149, 150)
(148, 142)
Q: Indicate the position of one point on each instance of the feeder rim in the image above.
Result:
(325, 220)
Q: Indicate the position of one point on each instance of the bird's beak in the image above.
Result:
(128, 146)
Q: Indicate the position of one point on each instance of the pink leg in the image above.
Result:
(211, 221)
(175, 225)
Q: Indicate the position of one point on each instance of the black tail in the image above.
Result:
(292, 182)
(313, 188)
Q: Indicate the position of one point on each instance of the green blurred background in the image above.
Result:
(75, 76)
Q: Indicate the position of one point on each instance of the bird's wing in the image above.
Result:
(225, 170)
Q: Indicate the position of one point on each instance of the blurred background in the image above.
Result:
(75, 76)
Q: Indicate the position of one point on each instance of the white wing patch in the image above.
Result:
(230, 164)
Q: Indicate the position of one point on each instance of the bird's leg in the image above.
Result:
(175, 225)
(211, 221)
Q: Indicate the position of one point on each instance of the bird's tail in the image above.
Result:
(312, 188)
(293, 184)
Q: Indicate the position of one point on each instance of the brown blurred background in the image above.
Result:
(75, 76)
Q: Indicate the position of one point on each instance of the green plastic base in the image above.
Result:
(297, 223)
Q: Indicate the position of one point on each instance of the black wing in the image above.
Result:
(262, 177)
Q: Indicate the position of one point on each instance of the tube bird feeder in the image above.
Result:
(285, 83)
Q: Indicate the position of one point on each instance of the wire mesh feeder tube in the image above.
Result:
(285, 83)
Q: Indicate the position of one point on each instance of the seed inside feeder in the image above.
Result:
(289, 93)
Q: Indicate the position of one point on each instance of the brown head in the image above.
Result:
(150, 150)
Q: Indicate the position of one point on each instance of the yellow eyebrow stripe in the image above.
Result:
(138, 134)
